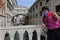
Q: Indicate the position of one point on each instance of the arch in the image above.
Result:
(19, 19)
(16, 36)
(34, 37)
(42, 37)
(7, 36)
(25, 36)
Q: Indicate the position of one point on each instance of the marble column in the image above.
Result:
(30, 36)
(0, 35)
(38, 36)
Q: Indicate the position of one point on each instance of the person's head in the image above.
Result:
(45, 10)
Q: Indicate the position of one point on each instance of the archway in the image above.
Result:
(16, 36)
(7, 36)
(34, 37)
(19, 19)
(25, 36)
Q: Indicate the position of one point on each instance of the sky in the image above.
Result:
(26, 3)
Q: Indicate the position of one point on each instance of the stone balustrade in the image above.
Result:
(21, 30)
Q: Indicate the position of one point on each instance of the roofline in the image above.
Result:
(34, 4)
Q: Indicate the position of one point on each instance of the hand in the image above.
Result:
(54, 13)
(43, 26)
(56, 16)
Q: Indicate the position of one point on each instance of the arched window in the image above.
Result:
(25, 36)
(7, 36)
(42, 37)
(16, 36)
(34, 37)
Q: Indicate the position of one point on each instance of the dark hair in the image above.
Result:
(45, 8)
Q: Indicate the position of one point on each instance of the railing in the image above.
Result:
(22, 32)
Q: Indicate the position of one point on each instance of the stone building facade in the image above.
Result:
(9, 10)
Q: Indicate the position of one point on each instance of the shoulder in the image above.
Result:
(51, 13)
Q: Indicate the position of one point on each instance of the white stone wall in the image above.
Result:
(9, 13)
(21, 30)
(8, 18)
(2, 21)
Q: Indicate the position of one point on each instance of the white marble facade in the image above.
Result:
(21, 30)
